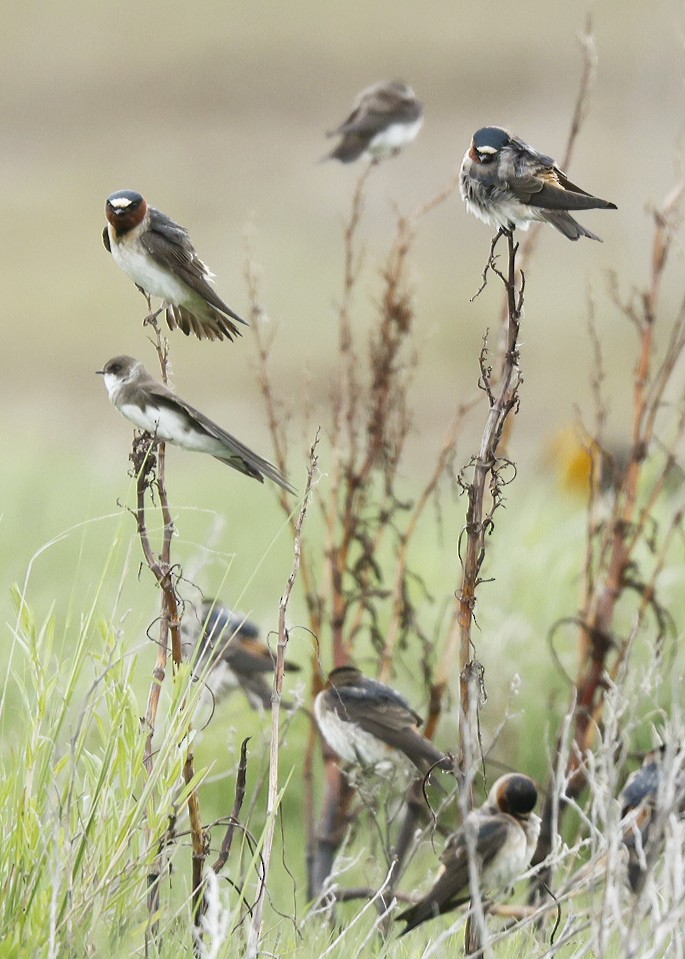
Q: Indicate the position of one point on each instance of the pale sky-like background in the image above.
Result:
(216, 112)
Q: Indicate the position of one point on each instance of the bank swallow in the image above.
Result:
(385, 117)
(508, 184)
(366, 722)
(158, 256)
(151, 406)
(229, 654)
(504, 833)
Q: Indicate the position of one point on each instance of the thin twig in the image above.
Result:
(255, 932)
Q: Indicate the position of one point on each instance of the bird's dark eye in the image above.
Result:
(115, 368)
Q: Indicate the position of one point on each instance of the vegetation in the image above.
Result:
(129, 830)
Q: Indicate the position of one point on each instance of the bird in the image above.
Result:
(638, 800)
(385, 117)
(152, 406)
(507, 184)
(229, 654)
(370, 724)
(504, 833)
(157, 255)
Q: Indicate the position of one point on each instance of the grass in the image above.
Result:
(81, 821)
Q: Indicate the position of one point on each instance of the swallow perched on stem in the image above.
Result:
(158, 256)
(508, 184)
(385, 117)
(229, 654)
(151, 406)
(366, 722)
(503, 832)
(638, 800)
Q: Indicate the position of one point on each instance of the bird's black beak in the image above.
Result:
(100, 372)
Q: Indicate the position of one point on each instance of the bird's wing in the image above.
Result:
(385, 714)
(547, 187)
(375, 707)
(640, 785)
(492, 832)
(373, 113)
(105, 240)
(169, 245)
(239, 456)
(452, 888)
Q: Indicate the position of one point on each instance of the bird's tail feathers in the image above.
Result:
(565, 223)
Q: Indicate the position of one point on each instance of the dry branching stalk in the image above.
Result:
(488, 478)
(151, 475)
(361, 510)
(621, 549)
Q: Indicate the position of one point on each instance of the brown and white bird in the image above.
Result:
(152, 406)
(507, 184)
(157, 255)
(385, 117)
(229, 654)
(504, 833)
(368, 723)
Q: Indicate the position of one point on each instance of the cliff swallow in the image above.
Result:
(151, 406)
(638, 800)
(158, 256)
(385, 117)
(504, 833)
(230, 654)
(508, 184)
(366, 722)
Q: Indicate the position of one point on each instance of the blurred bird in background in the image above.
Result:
(384, 119)
(229, 654)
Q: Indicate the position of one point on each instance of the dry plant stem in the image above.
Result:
(169, 624)
(369, 423)
(272, 795)
(233, 821)
(479, 519)
(611, 573)
(580, 111)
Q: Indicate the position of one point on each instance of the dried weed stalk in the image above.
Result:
(150, 475)
(351, 600)
(626, 552)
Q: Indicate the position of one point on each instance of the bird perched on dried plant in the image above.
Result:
(503, 834)
(152, 406)
(507, 184)
(368, 723)
(638, 800)
(385, 118)
(157, 255)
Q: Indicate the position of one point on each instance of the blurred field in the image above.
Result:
(219, 118)
(217, 113)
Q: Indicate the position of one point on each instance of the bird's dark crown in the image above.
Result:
(488, 141)
(119, 364)
(125, 209)
(517, 795)
(343, 676)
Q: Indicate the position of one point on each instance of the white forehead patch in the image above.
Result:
(488, 150)
(120, 203)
